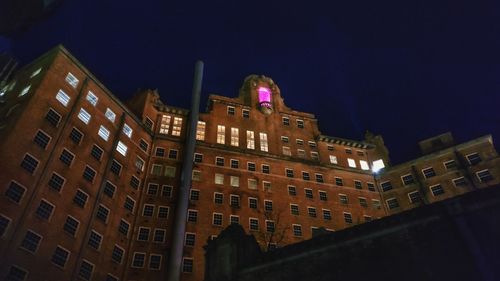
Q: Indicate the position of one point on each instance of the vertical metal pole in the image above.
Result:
(177, 246)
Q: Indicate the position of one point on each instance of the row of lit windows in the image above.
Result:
(245, 113)
(174, 129)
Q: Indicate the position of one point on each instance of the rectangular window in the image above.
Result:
(102, 213)
(134, 182)
(96, 152)
(292, 190)
(163, 212)
(314, 156)
(172, 153)
(266, 169)
(63, 98)
(53, 117)
(287, 151)
(473, 158)
(311, 144)
(437, 190)
(311, 211)
(263, 142)
(196, 175)
(452, 164)
(110, 115)
(148, 210)
(306, 176)
(235, 137)
(66, 157)
(250, 140)
(149, 123)
(116, 167)
(15, 191)
(29, 163)
(371, 186)
(339, 181)
(348, 151)
(266, 185)
(127, 130)
(31, 241)
(284, 139)
(56, 182)
(407, 179)
(301, 153)
(300, 123)
(129, 204)
(121, 148)
(428, 172)
(86, 269)
(217, 219)
(358, 184)
(194, 194)
(286, 121)
(297, 230)
(246, 113)
(270, 226)
(221, 134)
(252, 184)
(330, 147)
(392, 203)
(364, 165)
(218, 198)
(92, 98)
(268, 205)
(376, 204)
(165, 124)
(71, 225)
(348, 217)
(155, 262)
(230, 110)
(343, 199)
(200, 130)
(95, 240)
(156, 170)
(253, 224)
(138, 260)
(234, 201)
(294, 209)
(414, 197)
(42, 139)
(153, 189)
(103, 133)
(84, 116)
(289, 173)
(319, 178)
(219, 179)
(299, 141)
(351, 162)
(323, 196)
(386, 186)
(234, 219)
(252, 203)
(117, 254)
(327, 214)
(72, 80)
(198, 158)
(44, 210)
(192, 216)
(143, 234)
(187, 265)
(219, 161)
(484, 176)
(234, 181)
(123, 227)
(363, 202)
(176, 128)
(76, 136)
(190, 239)
(139, 164)
(170, 171)
(309, 193)
(80, 198)
(160, 152)
(460, 182)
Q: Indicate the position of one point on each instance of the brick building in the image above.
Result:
(90, 185)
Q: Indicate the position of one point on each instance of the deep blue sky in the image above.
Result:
(405, 69)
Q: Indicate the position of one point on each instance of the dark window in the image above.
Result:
(254, 224)
(270, 226)
(292, 190)
(56, 182)
(289, 173)
(194, 195)
(85, 271)
(323, 196)
(339, 181)
(286, 121)
(102, 213)
(162, 212)
(343, 199)
(294, 209)
(117, 254)
(192, 216)
(143, 145)
(76, 136)
(123, 227)
(473, 158)
(4, 224)
(358, 185)
(53, 117)
(347, 217)
(319, 178)
(60, 256)
(284, 139)
(219, 161)
(252, 203)
(327, 215)
(460, 182)
(89, 174)
(297, 230)
(450, 164)
(80, 198)
(159, 236)
(362, 202)
(29, 163)
(371, 186)
(300, 123)
(187, 265)
(149, 123)
(305, 176)
(218, 198)
(42, 139)
(134, 182)
(392, 203)
(217, 219)
(154, 262)
(251, 166)
(44, 210)
(348, 151)
(309, 193)
(166, 191)
(129, 204)
(330, 147)
(172, 154)
(437, 190)
(31, 241)
(230, 110)
(246, 113)
(96, 152)
(360, 153)
(428, 172)
(484, 176)
(153, 189)
(66, 157)
(110, 277)
(386, 186)
(268, 205)
(235, 164)
(234, 201)
(16, 274)
(109, 189)
(15, 191)
(414, 197)
(160, 152)
(234, 219)
(198, 158)
(266, 169)
(148, 210)
(116, 167)
(190, 239)
(95, 240)
(311, 211)
(407, 179)
(71, 225)
(143, 234)
(138, 260)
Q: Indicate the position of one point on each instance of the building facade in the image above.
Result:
(90, 185)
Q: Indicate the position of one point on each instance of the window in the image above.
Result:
(53, 117)
(80, 198)
(452, 164)
(306, 176)
(392, 203)
(163, 212)
(148, 210)
(251, 166)
(339, 181)
(196, 175)
(235, 138)
(139, 164)
(286, 121)
(343, 199)
(221, 134)
(56, 182)
(200, 130)
(123, 227)
(234, 181)
(254, 224)
(311, 144)
(110, 277)
(294, 209)
(287, 151)
(319, 178)
(95, 240)
(386, 186)
(219, 179)
(192, 216)
(266, 169)
(268, 205)
(473, 158)
(414, 197)
(31, 241)
(138, 260)
(190, 239)
(15, 191)
(299, 141)
(364, 165)
(428, 172)
(92, 98)
(234, 219)
(76, 136)
(143, 234)
(84, 116)
(149, 123)
(270, 226)
(117, 254)
(217, 219)
(66, 157)
(127, 130)
(187, 265)
(110, 115)
(103, 133)
(377, 165)
(155, 261)
(102, 213)
(371, 186)
(44, 210)
(42, 139)
(309, 193)
(459, 182)
(292, 190)
(348, 151)
(407, 179)
(263, 142)
(311, 211)
(437, 190)
(160, 152)
(327, 214)
(29, 163)
(484, 176)
(348, 217)
(289, 173)
(301, 153)
(159, 235)
(250, 140)
(252, 203)
(323, 196)
(172, 153)
(134, 182)
(170, 171)
(194, 194)
(165, 124)
(219, 161)
(266, 185)
(252, 184)
(246, 113)
(156, 170)
(198, 158)
(176, 128)
(116, 167)
(376, 203)
(96, 152)
(86, 269)
(314, 156)
(60, 256)
(284, 139)
(71, 225)
(230, 110)
(363, 202)
(358, 184)
(218, 198)
(351, 163)
(63, 98)
(297, 230)
(234, 201)
(129, 204)
(72, 80)
(300, 123)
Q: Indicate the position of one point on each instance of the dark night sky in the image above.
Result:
(405, 69)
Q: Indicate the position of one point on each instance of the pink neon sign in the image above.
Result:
(264, 95)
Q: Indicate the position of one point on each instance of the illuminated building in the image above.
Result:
(89, 184)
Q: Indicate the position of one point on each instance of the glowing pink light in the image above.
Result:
(264, 95)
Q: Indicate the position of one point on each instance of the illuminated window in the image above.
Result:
(156, 170)
(165, 124)
(110, 115)
(235, 181)
(84, 116)
(127, 130)
(250, 140)
(364, 165)
(221, 134)
(235, 137)
(196, 175)
(92, 98)
(200, 130)
(219, 179)
(377, 165)
(263, 142)
(333, 159)
(103, 133)
(63, 98)
(72, 80)
(176, 128)
(351, 163)
(122, 148)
